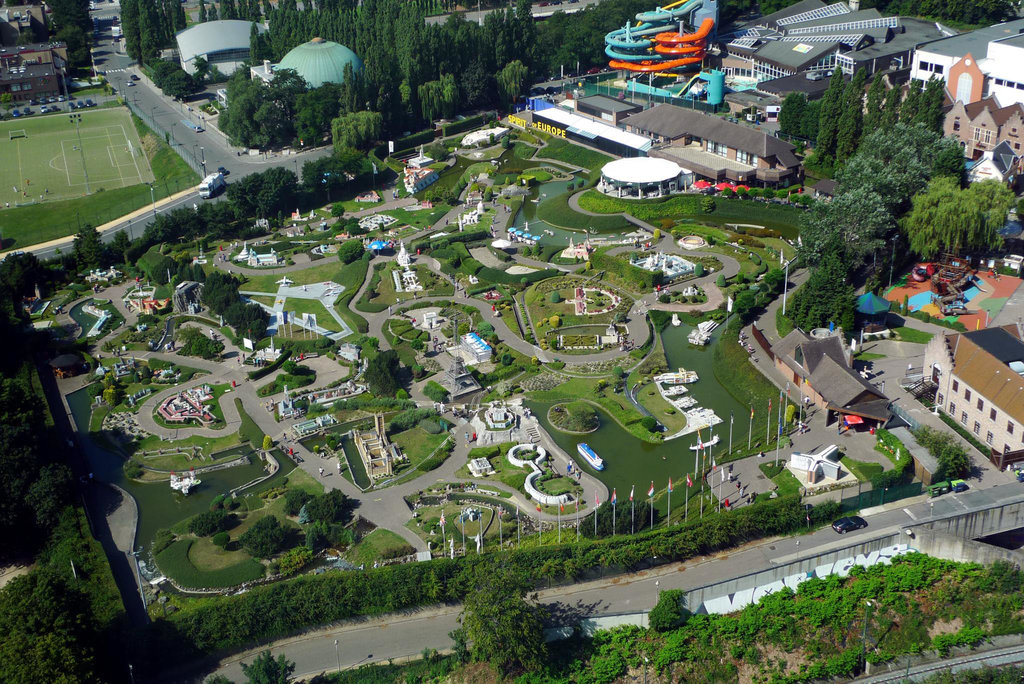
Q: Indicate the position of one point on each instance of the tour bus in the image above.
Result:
(212, 185)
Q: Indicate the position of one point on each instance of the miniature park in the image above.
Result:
(507, 338)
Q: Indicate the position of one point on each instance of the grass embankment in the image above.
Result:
(905, 334)
(380, 544)
(176, 561)
(616, 405)
(562, 150)
(862, 470)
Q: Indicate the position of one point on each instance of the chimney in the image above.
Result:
(266, 65)
(854, 5)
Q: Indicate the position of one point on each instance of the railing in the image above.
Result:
(184, 152)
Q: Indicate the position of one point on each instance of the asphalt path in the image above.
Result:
(537, 11)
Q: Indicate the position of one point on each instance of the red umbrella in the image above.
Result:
(724, 186)
(742, 187)
(702, 184)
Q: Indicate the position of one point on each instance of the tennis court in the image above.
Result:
(46, 158)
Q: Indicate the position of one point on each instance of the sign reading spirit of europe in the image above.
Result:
(539, 125)
(731, 603)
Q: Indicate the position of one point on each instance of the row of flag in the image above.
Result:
(285, 317)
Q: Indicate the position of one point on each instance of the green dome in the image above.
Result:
(321, 61)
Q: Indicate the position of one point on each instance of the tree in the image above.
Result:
(826, 297)
(314, 112)
(828, 124)
(87, 250)
(510, 81)
(267, 442)
(953, 460)
(946, 218)
(263, 539)
(875, 101)
(858, 219)
(268, 670)
(503, 627)
(327, 508)
(791, 116)
(891, 108)
(48, 628)
(202, 12)
(356, 130)
(649, 423)
(381, 372)
(849, 131)
(202, 71)
(668, 612)
(207, 523)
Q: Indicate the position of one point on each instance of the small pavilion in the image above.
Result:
(873, 308)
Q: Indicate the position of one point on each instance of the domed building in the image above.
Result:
(321, 61)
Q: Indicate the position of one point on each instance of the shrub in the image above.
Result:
(649, 423)
(698, 270)
(554, 297)
(221, 539)
(555, 321)
(668, 612)
(707, 205)
(435, 392)
(265, 538)
(720, 280)
(132, 468)
(294, 560)
(294, 499)
(207, 523)
(327, 508)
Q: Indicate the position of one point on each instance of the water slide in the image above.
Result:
(657, 43)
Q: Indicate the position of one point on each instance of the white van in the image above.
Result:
(212, 185)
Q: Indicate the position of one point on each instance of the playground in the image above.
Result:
(954, 292)
(43, 159)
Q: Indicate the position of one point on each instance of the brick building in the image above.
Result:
(981, 126)
(22, 20)
(29, 72)
(979, 380)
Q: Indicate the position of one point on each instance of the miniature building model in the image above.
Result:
(479, 467)
(186, 297)
(459, 381)
(379, 456)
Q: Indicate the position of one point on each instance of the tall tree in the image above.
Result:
(848, 134)
(202, 12)
(87, 248)
(875, 101)
(268, 670)
(828, 123)
(826, 297)
(504, 628)
(891, 108)
(130, 27)
(510, 81)
(792, 114)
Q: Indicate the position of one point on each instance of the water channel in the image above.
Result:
(158, 505)
(629, 462)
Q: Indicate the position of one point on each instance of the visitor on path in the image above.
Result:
(321, 472)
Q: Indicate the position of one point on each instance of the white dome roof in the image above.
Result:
(641, 170)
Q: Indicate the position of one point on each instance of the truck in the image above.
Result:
(212, 185)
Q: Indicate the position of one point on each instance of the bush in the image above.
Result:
(132, 469)
(720, 280)
(296, 559)
(265, 538)
(649, 423)
(221, 539)
(707, 205)
(435, 392)
(668, 612)
(554, 297)
(207, 523)
(327, 508)
(698, 270)
(294, 500)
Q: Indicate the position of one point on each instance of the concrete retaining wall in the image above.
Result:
(983, 522)
(951, 547)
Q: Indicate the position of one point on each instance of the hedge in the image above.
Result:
(267, 370)
(273, 611)
(495, 276)
(465, 237)
(409, 142)
(633, 275)
(466, 124)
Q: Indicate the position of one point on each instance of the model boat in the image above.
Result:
(590, 456)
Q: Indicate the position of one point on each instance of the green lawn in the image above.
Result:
(867, 356)
(562, 150)
(313, 306)
(904, 334)
(176, 562)
(418, 444)
(672, 418)
(48, 158)
(424, 218)
(378, 545)
(248, 430)
(786, 481)
(862, 470)
(318, 272)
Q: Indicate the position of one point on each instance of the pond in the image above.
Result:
(158, 505)
(629, 462)
(85, 321)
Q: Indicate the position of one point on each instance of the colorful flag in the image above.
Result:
(650, 492)
(769, 406)
(561, 508)
(751, 412)
(442, 518)
(614, 496)
(700, 442)
(670, 485)
(631, 492)
(689, 480)
(597, 500)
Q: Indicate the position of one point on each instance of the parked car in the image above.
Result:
(135, 77)
(958, 486)
(593, 70)
(44, 109)
(90, 103)
(848, 524)
(32, 102)
(15, 113)
(221, 170)
(129, 84)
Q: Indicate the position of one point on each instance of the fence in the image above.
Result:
(606, 88)
(186, 153)
(877, 497)
(902, 415)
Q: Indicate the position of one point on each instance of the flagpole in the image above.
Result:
(731, 417)
(750, 429)
(501, 540)
(702, 484)
(559, 523)
(577, 519)
(632, 514)
(768, 425)
(519, 528)
(540, 528)
(652, 512)
(669, 520)
(721, 480)
(778, 432)
(463, 517)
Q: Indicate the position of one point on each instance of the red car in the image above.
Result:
(594, 70)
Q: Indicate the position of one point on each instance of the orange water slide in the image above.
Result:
(654, 67)
(672, 43)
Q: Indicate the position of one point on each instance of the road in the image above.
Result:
(405, 635)
(538, 11)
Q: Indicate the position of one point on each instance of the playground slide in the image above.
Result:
(654, 45)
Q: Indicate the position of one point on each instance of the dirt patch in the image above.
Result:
(945, 627)
(475, 673)
(150, 145)
(771, 656)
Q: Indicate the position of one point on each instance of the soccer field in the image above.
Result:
(42, 159)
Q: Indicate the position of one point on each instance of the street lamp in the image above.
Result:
(152, 197)
(77, 120)
(202, 152)
(892, 257)
(338, 654)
